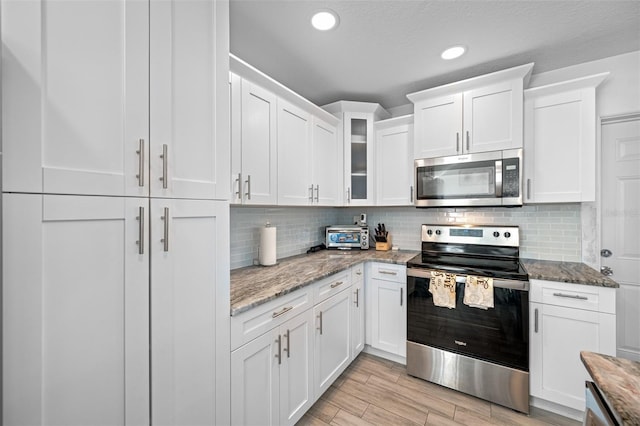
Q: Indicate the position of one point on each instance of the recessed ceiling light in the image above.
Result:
(453, 52)
(324, 20)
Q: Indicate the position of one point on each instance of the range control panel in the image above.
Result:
(472, 234)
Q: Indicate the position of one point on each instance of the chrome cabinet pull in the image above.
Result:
(528, 189)
(248, 193)
(238, 192)
(311, 193)
(401, 296)
(336, 284)
(288, 348)
(140, 153)
(165, 240)
(320, 328)
(279, 354)
(317, 193)
(165, 165)
(411, 192)
(140, 241)
(571, 296)
(535, 320)
(281, 312)
(349, 195)
(467, 140)
(358, 272)
(457, 142)
(388, 272)
(357, 302)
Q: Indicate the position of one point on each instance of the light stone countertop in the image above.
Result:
(254, 285)
(568, 272)
(619, 381)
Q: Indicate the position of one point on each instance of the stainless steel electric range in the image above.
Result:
(477, 350)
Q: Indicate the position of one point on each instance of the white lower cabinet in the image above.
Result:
(272, 375)
(357, 319)
(566, 319)
(387, 308)
(332, 339)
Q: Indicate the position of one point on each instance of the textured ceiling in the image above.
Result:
(383, 50)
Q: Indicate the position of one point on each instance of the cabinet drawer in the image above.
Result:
(388, 272)
(592, 298)
(329, 286)
(254, 322)
(357, 273)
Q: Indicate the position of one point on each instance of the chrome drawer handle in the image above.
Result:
(281, 312)
(571, 296)
(336, 284)
(388, 272)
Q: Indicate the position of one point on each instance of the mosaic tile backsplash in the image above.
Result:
(549, 232)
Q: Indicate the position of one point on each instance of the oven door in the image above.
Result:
(499, 335)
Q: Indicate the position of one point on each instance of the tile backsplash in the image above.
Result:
(549, 231)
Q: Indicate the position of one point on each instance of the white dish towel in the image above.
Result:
(478, 292)
(443, 288)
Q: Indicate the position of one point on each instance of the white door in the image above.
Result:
(75, 300)
(295, 186)
(438, 127)
(326, 164)
(189, 311)
(255, 395)
(621, 226)
(75, 97)
(259, 149)
(357, 319)
(189, 99)
(493, 117)
(394, 166)
(235, 91)
(296, 368)
(332, 341)
(389, 318)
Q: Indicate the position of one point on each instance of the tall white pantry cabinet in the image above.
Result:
(115, 246)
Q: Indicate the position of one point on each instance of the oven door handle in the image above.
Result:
(497, 282)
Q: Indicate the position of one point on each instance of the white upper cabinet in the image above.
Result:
(75, 97)
(358, 144)
(326, 164)
(394, 161)
(295, 185)
(560, 141)
(254, 144)
(476, 115)
(189, 99)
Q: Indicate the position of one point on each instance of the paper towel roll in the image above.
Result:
(267, 250)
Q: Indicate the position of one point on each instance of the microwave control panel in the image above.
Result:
(511, 177)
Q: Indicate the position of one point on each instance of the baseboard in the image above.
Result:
(557, 408)
(386, 355)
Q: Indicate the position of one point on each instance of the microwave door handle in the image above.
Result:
(498, 178)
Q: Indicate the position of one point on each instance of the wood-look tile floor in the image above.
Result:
(375, 391)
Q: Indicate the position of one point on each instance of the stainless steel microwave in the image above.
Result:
(483, 179)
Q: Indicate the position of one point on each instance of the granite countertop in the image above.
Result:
(619, 381)
(254, 285)
(568, 272)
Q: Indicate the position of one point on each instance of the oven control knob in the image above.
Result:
(507, 234)
(438, 232)
(496, 234)
(429, 232)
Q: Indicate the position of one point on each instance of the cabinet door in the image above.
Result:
(438, 124)
(332, 340)
(255, 396)
(394, 166)
(326, 164)
(296, 369)
(357, 319)
(358, 158)
(558, 334)
(75, 97)
(560, 147)
(295, 186)
(389, 316)
(259, 150)
(189, 311)
(235, 90)
(493, 117)
(189, 99)
(75, 327)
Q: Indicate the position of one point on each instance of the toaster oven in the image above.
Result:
(347, 237)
